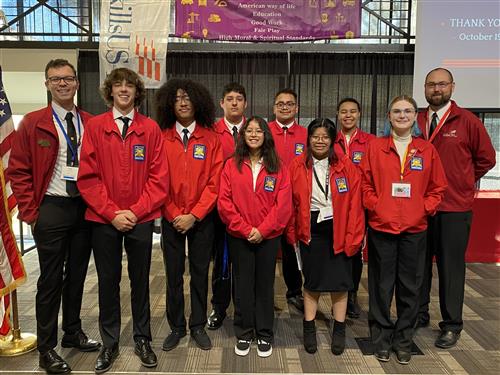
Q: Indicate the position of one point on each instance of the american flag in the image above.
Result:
(12, 272)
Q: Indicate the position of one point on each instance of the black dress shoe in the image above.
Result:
(297, 302)
(447, 339)
(201, 339)
(353, 309)
(215, 320)
(80, 341)
(403, 357)
(53, 364)
(145, 353)
(105, 359)
(173, 340)
(382, 355)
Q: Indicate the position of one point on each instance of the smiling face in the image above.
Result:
(320, 143)
(285, 108)
(123, 94)
(233, 105)
(348, 116)
(184, 111)
(438, 88)
(402, 117)
(63, 91)
(254, 136)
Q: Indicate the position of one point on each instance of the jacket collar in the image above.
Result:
(171, 133)
(135, 126)
(416, 145)
(290, 130)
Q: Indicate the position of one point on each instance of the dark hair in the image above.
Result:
(119, 75)
(349, 100)
(234, 86)
(58, 63)
(201, 100)
(286, 91)
(331, 129)
(436, 69)
(415, 130)
(267, 151)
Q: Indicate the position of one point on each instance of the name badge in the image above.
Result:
(299, 148)
(401, 190)
(69, 173)
(325, 213)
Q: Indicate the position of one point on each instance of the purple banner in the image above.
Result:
(267, 20)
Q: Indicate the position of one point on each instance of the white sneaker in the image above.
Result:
(264, 348)
(242, 347)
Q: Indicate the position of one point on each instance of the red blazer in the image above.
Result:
(381, 167)
(194, 173)
(226, 138)
(268, 208)
(118, 174)
(465, 149)
(291, 145)
(357, 145)
(32, 160)
(348, 215)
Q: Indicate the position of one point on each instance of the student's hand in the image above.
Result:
(183, 223)
(128, 214)
(121, 223)
(255, 236)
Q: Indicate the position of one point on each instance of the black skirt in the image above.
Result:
(323, 270)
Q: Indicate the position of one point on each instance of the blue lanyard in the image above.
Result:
(73, 151)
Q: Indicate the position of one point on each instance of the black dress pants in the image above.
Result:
(290, 269)
(108, 243)
(62, 238)
(395, 262)
(254, 268)
(200, 238)
(447, 240)
(221, 272)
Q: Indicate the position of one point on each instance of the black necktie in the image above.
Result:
(71, 160)
(125, 121)
(433, 124)
(285, 128)
(185, 138)
(235, 134)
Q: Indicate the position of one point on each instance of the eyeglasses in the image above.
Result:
(439, 85)
(405, 112)
(252, 132)
(282, 105)
(56, 80)
(180, 98)
(317, 138)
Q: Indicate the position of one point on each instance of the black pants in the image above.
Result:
(357, 269)
(221, 272)
(447, 239)
(62, 237)
(253, 275)
(200, 238)
(108, 243)
(395, 262)
(290, 269)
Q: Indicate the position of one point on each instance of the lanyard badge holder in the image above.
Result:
(70, 172)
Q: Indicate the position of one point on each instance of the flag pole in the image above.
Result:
(16, 343)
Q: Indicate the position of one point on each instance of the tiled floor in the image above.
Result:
(478, 351)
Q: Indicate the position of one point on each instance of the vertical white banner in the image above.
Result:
(134, 34)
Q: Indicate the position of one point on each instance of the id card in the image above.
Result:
(401, 190)
(325, 213)
(69, 173)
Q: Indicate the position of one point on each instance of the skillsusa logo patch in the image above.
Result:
(139, 152)
(341, 183)
(269, 183)
(416, 163)
(199, 152)
(356, 157)
(299, 148)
